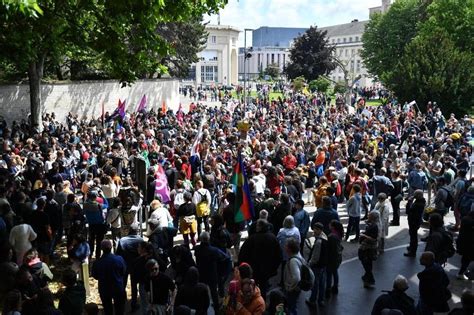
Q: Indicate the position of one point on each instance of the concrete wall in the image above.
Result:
(86, 98)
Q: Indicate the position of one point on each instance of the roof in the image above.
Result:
(223, 27)
(353, 28)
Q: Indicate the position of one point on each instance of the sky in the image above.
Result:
(291, 13)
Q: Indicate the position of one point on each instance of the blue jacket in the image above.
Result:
(302, 222)
(324, 216)
(109, 270)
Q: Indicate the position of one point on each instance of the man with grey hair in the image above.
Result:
(263, 215)
(396, 299)
(209, 260)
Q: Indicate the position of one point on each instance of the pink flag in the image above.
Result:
(161, 185)
(142, 105)
(121, 109)
(180, 115)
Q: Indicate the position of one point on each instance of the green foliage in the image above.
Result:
(272, 70)
(321, 85)
(298, 83)
(339, 87)
(423, 51)
(311, 55)
(25, 7)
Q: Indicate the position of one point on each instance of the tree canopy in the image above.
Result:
(310, 56)
(123, 36)
(424, 51)
(273, 70)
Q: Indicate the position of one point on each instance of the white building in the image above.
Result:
(218, 61)
(261, 58)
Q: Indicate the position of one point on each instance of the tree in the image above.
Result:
(299, 83)
(339, 88)
(273, 70)
(310, 56)
(321, 85)
(423, 51)
(122, 34)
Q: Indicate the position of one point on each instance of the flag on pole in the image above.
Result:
(119, 111)
(243, 203)
(197, 139)
(103, 113)
(161, 185)
(180, 114)
(142, 105)
(163, 108)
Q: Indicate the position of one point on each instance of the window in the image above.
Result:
(350, 39)
(346, 52)
(258, 59)
(209, 74)
(268, 58)
(278, 58)
(352, 52)
(284, 59)
(344, 40)
(213, 39)
(357, 38)
(273, 58)
(358, 65)
(338, 40)
(352, 65)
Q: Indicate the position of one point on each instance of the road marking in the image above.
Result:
(386, 250)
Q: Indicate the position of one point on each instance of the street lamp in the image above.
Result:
(246, 56)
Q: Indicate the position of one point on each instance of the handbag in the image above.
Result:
(189, 219)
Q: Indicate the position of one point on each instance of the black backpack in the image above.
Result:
(449, 202)
(307, 275)
(448, 249)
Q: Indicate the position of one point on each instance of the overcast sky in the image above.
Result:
(291, 13)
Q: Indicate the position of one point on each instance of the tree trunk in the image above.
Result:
(35, 74)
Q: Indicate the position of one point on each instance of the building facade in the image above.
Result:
(218, 62)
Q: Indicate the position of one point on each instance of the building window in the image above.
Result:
(344, 40)
(284, 59)
(346, 52)
(258, 59)
(338, 40)
(352, 65)
(268, 58)
(273, 58)
(352, 52)
(213, 39)
(357, 38)
(358, 65)
(278, 58)
(209, 74)
(350, 39)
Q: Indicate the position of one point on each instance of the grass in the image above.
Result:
(254, 94)
(375, 102)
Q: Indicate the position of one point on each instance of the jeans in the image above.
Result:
(96, 236)
(319, 286)
(200, 220)
(330, 275)
(353, 225)
(396, 210)
(292, 300)
(368, 276)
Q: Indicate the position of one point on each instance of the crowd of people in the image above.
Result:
(69, 189)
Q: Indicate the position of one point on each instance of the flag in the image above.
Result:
(163, 108)
(243, 202)
(161, 185)
(142, 105)
(194, 148)
(119, 111)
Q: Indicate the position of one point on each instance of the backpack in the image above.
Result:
(202, 208)
(307, 275)
(465, 204)
(448, 249)
(449, 202)
(338, 189)
(178, 198)
(203, 197)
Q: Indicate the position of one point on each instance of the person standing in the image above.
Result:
(160, 288)
(302, 222)
(396, 197)
(202, 201)
(187, 219)
(262, 252)
(325, 215)
(334, 257)
(384, 207)
(368, 248)
(414, 209)
(292, 274)
(21, 236)
(433, 286)
(42, 228)
(465, 244)
(73, 299)
(96, 219)
(353, 207)
(318, 260)
(110, 270)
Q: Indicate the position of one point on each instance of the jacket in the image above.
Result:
(208, 259)
(256, 306)
(302, 222)
(334, 249)
(73, 300)
(292, 273)
(394, 300)
(109, 270)
(261, 251)
(414, 210)
(324, 216)
(286, 233)
(433, 287)
(353, 205)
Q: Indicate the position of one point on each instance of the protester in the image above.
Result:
(396, 299)
(415, 208)
(369, 247)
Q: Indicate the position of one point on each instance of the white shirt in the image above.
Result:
(21, 237)
(163, 217)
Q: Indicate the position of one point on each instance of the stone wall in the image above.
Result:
(86, 98)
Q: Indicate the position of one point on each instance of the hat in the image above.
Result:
(318, 225)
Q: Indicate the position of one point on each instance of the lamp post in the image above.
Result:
(245, 63)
